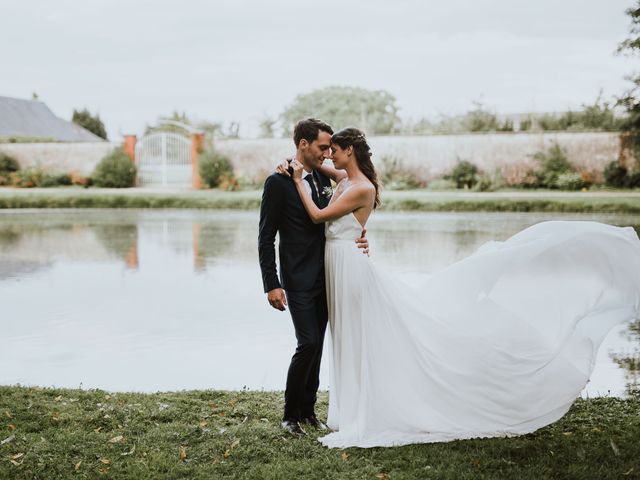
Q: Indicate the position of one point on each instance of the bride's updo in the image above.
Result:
(353, 137)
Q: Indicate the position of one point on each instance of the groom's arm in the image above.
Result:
(270, 211)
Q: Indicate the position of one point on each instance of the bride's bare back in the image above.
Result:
(362, 213)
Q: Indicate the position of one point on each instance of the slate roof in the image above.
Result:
(33, 119)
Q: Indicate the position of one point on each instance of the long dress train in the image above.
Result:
(500, 343)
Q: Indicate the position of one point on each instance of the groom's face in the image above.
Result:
(316, 151)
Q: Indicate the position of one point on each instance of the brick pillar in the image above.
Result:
(197, 141)
(129, 146)
(131, 258)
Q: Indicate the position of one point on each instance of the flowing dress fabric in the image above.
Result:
(500, 343)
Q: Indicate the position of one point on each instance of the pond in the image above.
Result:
(149, 300)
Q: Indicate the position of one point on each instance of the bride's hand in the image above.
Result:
(282, 167)
(297, 170)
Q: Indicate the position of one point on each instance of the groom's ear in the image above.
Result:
(304, 143)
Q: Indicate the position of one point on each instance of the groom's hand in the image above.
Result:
(277, 299)
(363, 242)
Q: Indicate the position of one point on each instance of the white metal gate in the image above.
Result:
(164, 159)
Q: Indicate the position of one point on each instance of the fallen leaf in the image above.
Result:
(17, 456)
(628, 472)
(235, 444)
(213, 405)
(17, 464)
(344, 456)
(226, 454)
(8, 439)
(614, 447)
(202, 423)
(108, 397)
(116, 439)
(55, 416)
(106, 461)
(58, 398)
(8, 414)
(129, 452)
(97, 430)
(566, 434)
(596, 429)
(11, 426)
(183, 453)
(104, 470)
(382, 476)
(76, 466)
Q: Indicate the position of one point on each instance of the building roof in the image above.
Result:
(33, 119)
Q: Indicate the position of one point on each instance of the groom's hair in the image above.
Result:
(308, 129)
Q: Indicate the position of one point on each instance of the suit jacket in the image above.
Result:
(301, 241)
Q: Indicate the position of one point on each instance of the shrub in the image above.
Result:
(394, 176)
(572, 181)
(8, 164)
(464, 174)
(81, 180)
(553, 163)
(633, 179)
(55, 180)
(228, 182)
(27, 178)
(116, 170)
(489, 182)
(214, 167)
(615, 175)
(441, 184)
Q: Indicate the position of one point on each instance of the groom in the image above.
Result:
(301, 251)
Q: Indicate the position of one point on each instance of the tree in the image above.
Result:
(480, 120)
(631, 48)
(89, 122)
(267, 124)
(374, 111)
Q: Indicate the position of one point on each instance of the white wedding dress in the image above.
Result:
(500, 343)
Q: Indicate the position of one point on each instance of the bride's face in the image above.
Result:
(340, 157)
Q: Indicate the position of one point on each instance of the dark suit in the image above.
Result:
(301, 252)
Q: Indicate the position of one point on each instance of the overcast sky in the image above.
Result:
(225, 60)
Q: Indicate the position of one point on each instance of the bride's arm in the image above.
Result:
(352, 199)
(332, 172)
(326, 169)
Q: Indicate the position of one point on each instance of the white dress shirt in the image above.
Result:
(306, 183)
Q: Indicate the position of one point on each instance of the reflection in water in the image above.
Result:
(630, 361)
(149, 300)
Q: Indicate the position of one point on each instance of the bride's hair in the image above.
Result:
(354, 137)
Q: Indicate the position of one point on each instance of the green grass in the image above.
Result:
(70, 433)
(415, 200)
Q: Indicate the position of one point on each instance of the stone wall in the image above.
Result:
(59, 157)
(434, 155)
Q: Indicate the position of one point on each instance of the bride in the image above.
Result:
(498, 344)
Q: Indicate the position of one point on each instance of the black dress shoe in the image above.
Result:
(293, 427)
(314, 422)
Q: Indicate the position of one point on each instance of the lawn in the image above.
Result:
(52, 433)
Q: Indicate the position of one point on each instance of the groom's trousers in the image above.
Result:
(309, 313)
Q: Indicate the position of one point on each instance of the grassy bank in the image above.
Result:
(415, 200)
(64, 433)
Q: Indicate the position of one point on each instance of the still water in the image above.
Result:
(139, 300)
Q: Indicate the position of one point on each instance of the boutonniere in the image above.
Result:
(327, 192)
